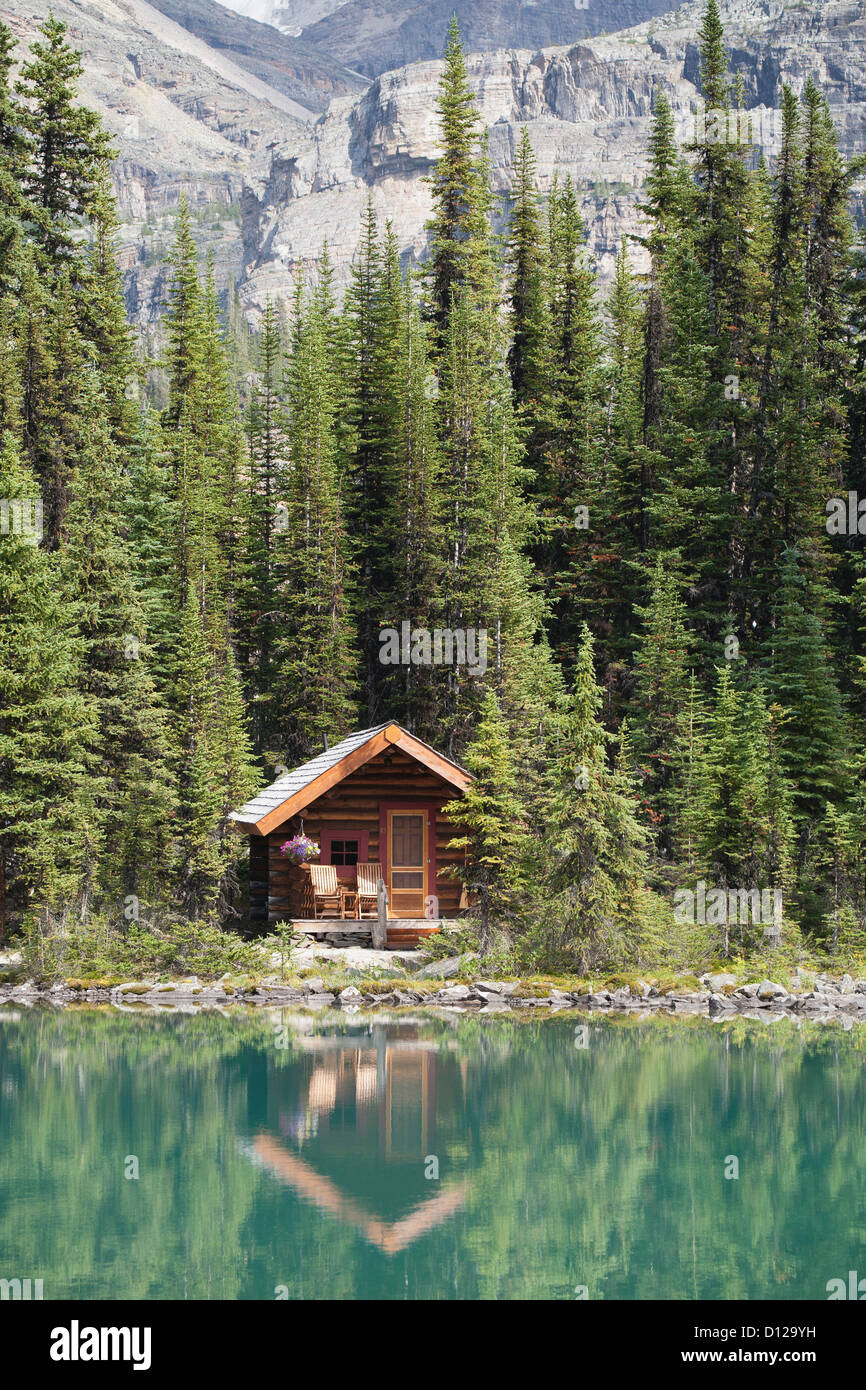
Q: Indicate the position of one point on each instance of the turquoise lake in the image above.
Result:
(273, 1155)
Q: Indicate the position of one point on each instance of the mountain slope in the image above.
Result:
(298, 69)
(375, 35)
(588, 110)
(187, 116)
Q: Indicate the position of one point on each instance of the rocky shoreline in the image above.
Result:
(818, 997)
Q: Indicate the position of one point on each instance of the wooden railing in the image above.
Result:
(380, 927)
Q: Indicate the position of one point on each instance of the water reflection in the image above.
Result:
(356, 1103)
(428, 1157)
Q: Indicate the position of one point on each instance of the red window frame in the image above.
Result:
(327, 838)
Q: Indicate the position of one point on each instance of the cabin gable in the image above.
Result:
(380, 803)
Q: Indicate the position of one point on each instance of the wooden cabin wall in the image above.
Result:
(353, 804)
(258, 879)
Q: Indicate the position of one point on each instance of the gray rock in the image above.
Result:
(503, 987)
(315, 985)
(561, 998)
(768, 989)
(720, 1004)
(350, 994)
(588, 110)
(446, 969)
(716, 982)
(454, 993)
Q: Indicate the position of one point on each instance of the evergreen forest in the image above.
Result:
(647, 501)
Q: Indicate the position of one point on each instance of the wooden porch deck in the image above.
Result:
(345, 925)
(402, 931)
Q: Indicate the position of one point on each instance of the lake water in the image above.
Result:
(422, 1157)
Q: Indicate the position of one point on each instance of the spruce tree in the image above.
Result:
(315, 658)
(812, 736)
(661, 664)
(268, 463)
(459, 236)
(595, 852)
(46, 726)
(70, 149)
(526, 282)
(492, 823)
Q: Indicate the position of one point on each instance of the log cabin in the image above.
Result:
(374, 798)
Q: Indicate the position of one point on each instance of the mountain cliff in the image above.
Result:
(277, 142)
(587, 107)
(194, 110)
(376, 35)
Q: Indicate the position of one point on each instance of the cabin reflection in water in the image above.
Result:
(357, 1124)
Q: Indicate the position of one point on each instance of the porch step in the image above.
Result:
(399, 938)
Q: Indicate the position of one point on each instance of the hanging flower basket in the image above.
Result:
(300, 849)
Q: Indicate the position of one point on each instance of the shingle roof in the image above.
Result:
(300, 777)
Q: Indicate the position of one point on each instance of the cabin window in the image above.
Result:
(345, 848)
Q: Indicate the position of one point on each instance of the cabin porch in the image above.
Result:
(378, 809)
(399, 933)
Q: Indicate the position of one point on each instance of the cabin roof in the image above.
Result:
(296, 790)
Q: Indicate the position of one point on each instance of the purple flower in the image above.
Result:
(300, 848)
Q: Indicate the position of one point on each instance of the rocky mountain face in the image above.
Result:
(588, 110)
(377, 35)
(195, 110)
(289, 16)
(300, 70)
(277, 142)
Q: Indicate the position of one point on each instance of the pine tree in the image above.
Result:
(373, 320)
(45, 725)
(407, 545)
(492, 821)
(128, 758)
(526, 285)
(570, 424)
(266, 436)
(595, 855)
(742, 818)
(71, 151)
(691, 505)
(661, 664)
(459, 245)
(812, 737)
(15, 152)
(315, 661)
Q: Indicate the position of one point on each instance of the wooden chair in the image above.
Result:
(368, 889)
(327, 891)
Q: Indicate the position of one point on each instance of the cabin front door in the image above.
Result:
(407, 863)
